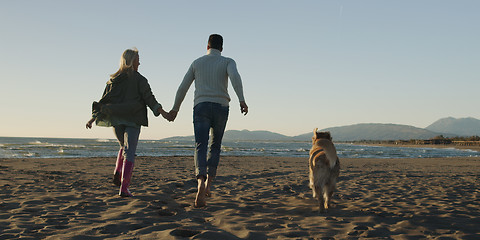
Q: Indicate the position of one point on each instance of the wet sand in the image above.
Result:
(253, 198)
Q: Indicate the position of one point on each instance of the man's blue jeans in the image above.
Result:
(206, 116)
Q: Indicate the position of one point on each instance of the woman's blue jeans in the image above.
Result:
(128, 139)
(208, 116)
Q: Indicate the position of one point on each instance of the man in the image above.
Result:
(211, 99)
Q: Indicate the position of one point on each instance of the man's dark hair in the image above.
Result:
(215, 41)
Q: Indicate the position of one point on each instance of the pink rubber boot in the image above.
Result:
(126, 177)
(117, 175)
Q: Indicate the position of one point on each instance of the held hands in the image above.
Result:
(165, 115)
(170, 116)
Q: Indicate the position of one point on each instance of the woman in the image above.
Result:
(123, 106)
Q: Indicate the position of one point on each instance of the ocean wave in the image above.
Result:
(53, 145)
(43, 148)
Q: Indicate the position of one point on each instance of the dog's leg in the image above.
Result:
(331, 184)
(328, 197)
(321, 201)
(330, 194)
(311, 185)
(314, 191)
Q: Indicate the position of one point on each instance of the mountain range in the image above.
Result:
(461, 126)
(448, 127)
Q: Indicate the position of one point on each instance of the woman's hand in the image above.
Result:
(89, 123)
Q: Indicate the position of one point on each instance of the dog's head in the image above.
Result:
(320, 135)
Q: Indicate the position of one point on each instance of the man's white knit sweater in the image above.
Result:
(211, 73)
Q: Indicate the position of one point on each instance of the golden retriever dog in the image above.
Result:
(324, 167)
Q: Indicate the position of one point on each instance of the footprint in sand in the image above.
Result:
(166, 213)
(179, 232)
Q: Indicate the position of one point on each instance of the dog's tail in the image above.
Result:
(316, 156)
(332, 159)
(329, 151)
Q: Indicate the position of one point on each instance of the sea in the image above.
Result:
(17, 147)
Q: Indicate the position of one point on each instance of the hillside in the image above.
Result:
(448, 127)
(236, 135)
(457, 126)
(370, 131)
(375, 131)
(243, 135)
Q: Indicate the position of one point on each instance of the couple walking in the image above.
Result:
(124, 101)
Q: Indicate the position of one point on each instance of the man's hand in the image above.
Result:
(243, 108)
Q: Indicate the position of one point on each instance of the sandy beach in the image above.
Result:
(253, 198)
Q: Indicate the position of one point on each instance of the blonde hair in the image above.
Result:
(126, 62)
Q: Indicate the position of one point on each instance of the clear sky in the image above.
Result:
(304, 64)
